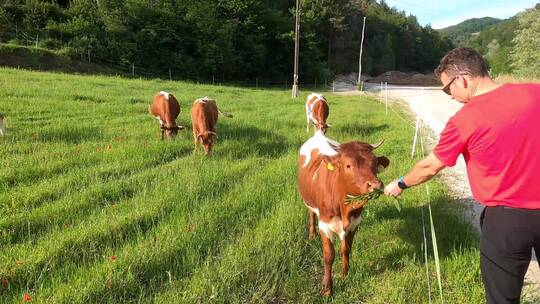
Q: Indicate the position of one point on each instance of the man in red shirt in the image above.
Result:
(497, 132)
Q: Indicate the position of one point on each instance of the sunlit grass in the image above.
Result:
(95, 208)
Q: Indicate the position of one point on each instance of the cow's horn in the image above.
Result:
(375, 146)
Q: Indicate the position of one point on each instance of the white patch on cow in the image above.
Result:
(355, 221)
(316, 210)
(160, 121)
(166, 94)
(336, 226)
(203, 100)
(320, 142)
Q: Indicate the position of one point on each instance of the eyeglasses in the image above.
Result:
(446, 88)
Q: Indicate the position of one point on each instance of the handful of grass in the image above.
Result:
(352, 199)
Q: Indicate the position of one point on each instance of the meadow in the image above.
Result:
(95, 208)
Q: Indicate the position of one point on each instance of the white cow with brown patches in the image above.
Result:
(317, 112)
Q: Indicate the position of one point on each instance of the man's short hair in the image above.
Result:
(460, 61)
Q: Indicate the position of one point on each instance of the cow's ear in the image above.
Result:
(332, 162)
(383, 161)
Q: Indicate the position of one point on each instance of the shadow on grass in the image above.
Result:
(70, 134)
(453, 233)
(113, 186)
(246, 141)
(359, 130)
(87, 98)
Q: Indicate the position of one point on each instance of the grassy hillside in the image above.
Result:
(17, 56)
(462, 32)
(96, 209)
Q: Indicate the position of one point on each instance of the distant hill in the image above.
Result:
(461, 33)
(503, 32)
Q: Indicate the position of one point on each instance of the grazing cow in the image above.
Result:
(328, 172)
(204, 116)
(165, 108)
(317, 112)
(1, 124)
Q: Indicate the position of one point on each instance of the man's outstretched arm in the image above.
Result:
(423, 171)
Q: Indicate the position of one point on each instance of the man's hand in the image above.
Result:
(392, 189)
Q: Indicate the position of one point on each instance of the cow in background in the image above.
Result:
(1, 124)
(317, 112)
(328, 173)
(166, 108)
(204, 117)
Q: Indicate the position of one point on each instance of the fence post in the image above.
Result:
(381, 92)
(37, 39)
(133, 69)
(170, 75)
(213, 79)
(257, 82)
(333, 86)
(88, 56)
(415, 136)
(386, 97)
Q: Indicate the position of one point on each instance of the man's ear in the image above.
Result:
(464, 80)
(383, 161)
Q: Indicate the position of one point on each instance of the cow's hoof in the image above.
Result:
(326, 292)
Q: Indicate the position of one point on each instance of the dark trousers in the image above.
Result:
(507, 237)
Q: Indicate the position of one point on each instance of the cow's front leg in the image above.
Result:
(328, 256)
(346, 246)
(311, 224)
(195, 141)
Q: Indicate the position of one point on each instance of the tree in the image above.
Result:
(525, 54)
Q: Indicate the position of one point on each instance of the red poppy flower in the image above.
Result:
(113, 258)
(26, 297)
(5, 283)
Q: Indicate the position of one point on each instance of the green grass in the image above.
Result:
(95, 208)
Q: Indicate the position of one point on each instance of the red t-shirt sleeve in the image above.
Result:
(450, 146)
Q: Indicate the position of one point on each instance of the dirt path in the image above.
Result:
(434, 109)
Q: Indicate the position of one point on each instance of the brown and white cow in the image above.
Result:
(166, 108)
(317, 112)
(328, 172)
(204, 117)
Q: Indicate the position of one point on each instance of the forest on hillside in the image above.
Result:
(510, 46)
(227, 39)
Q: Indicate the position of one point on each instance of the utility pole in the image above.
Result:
(296, 48)
(360, 59)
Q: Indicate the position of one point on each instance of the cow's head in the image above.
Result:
(358, 167)
(170, 132)
(322, 126)
(207, 138)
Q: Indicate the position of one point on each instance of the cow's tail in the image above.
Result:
(229, 115)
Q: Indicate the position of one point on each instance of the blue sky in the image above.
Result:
(449, 12)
